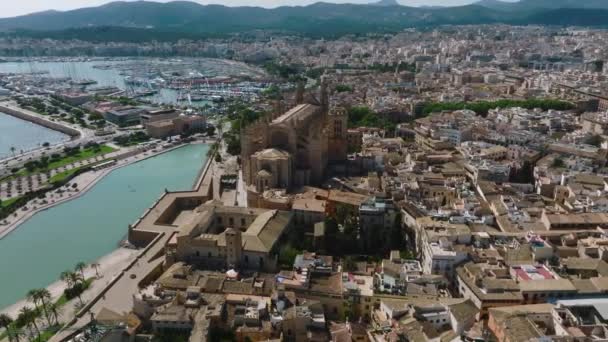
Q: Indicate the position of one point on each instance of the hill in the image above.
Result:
(144, 18)
(532, 5)
(193, 17)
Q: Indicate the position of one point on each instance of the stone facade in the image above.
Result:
(294, 148)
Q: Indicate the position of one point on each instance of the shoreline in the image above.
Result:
(111, 264)
(73, 133)
(90, 179)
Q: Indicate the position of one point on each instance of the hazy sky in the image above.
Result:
(9, 8)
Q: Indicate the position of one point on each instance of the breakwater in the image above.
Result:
(24, 115)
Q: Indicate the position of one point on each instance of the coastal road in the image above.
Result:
(86, 136)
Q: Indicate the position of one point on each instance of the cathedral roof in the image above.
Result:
(272, 153)
(264, 173)
(299, 112)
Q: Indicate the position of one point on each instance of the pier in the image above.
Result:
(27, 115)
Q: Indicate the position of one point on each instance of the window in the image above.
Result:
(231, 221)
(338, 128)
(243, 222)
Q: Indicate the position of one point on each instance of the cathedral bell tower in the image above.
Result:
(337, 122)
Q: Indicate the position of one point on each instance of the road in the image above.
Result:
(86, 136)
(119, 296)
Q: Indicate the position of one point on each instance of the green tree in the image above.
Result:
(33, 296)
(44, 296)
(27, 317)
(483, 107)
(6, 322)
(341, 88)
(55, 311)
(80, 267)
(66, 276)
(287, 256)
(40, 298)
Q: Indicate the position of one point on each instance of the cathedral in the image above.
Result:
(288, 150)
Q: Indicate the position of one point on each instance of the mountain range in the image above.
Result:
(531, 5)
(319, 19)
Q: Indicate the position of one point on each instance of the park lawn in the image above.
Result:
(83, 155)
(63, 175)
(10, 201)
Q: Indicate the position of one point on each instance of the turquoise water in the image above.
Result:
(24, 135)
(91, 226)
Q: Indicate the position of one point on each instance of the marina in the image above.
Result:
(192, 82)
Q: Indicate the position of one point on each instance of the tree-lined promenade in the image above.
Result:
(483, 107)
(40, 322)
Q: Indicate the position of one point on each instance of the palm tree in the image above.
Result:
(13, 149)
(67, 278)
(80, 267)
(75, 278)
(96, 265)
(33, 296)
(5, 322)
(45, 298)
(28, 317)
(74, 281)
(55, 311)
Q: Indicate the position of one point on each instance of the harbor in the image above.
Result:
(189, 82)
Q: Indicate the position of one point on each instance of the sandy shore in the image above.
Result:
(109, 266)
